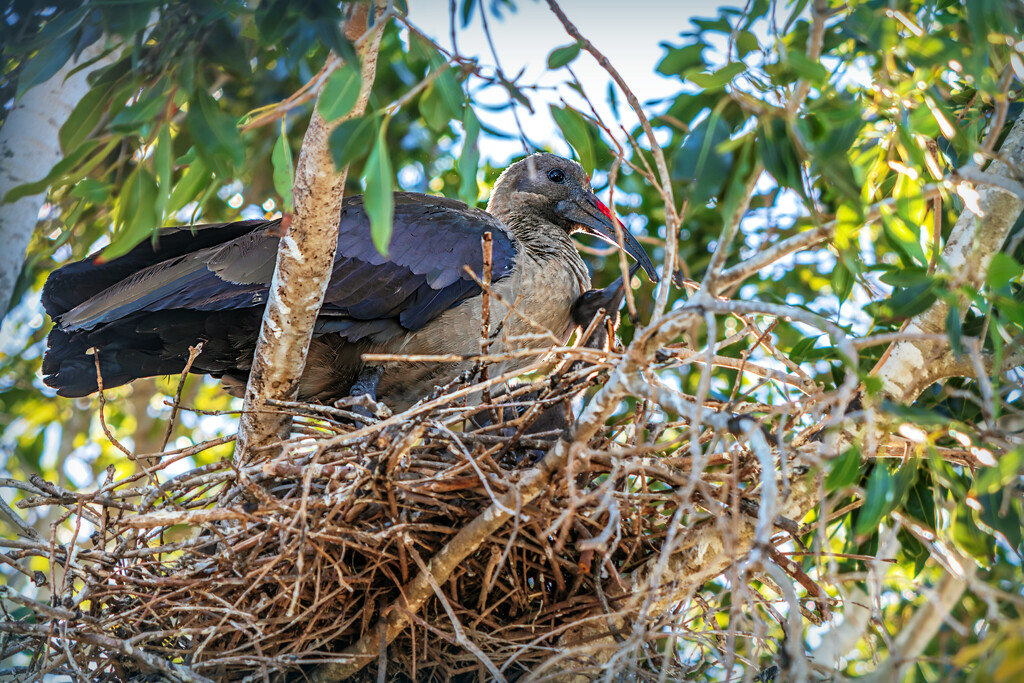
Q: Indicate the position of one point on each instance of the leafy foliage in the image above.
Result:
(186, 126)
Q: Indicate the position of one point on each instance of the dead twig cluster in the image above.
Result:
(251, 572)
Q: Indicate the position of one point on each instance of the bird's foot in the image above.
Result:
(362, 397)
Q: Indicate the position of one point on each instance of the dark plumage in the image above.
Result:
(141, 312)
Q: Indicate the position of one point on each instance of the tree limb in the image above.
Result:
(304, 262)
(969, 250)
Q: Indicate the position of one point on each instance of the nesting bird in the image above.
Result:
(140, 313)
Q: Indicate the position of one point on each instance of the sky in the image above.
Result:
(628, 33)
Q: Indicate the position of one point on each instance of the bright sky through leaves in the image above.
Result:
(629, 37)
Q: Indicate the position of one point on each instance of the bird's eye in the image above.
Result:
(556, 175)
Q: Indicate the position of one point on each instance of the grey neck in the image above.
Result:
(548, 244)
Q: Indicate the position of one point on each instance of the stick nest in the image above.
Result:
(266, 571)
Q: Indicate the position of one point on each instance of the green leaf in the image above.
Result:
(779, 155)
(284, 169)
(218, 140)
(916, 414)
(46, 63)
(968, 537)
(467, 11)
(135, 214)
(909, 301)
(126, 18)
(434, 111)
(1007, 469)
(842, 281)
(379, 186)
(162, 156)
(904, 240)
(920, 502)
(680, 60)
(340, 93)
(66, 168)
(845, 470)
(806, 68)
(699, 160)
(798, 10)
(717, 79)
(878, 500)
(746, 42)
(574, 130)
(352, 140)
(909, 276)
(906, 477)
(911, 549)
(1002, 270)
(143, 111)
(803, 348)
(193, 181)
(327, 27)
(92, 191)
(561, 56)
(83, 119)
(469, 159)
(450, 90)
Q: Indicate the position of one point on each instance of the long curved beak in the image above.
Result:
(587, 211)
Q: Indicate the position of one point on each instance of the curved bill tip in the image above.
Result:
(596, 218)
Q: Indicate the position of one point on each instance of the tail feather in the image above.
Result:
(149, 345)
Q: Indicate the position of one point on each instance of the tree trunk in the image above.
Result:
(303, 268)
(29, 148)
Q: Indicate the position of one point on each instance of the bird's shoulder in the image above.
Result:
(429, 233)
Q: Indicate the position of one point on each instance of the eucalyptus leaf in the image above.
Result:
(218, 140)
(340, 93)
(879, 499)
(574, 130)
(845, 470)
(46, 63)
(469, 159)
(194, 180)
(83, 119)
(163, 152)
(378, 198)
(135, 213)
(284, 169)
(351, 141)
(561, 56)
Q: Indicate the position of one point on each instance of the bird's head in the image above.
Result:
(557, 191)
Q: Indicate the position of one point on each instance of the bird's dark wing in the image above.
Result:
(139, 313)
(424, 272)
(74, 283)
(422, 275)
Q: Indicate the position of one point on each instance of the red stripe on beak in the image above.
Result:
(604, 209)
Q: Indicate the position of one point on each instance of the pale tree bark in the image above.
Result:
(304, 262)
(972, 244)
(29, 148)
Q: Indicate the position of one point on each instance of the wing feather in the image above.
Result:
(422, 275)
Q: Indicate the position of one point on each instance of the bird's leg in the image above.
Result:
(592, 301)
(366, 385)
